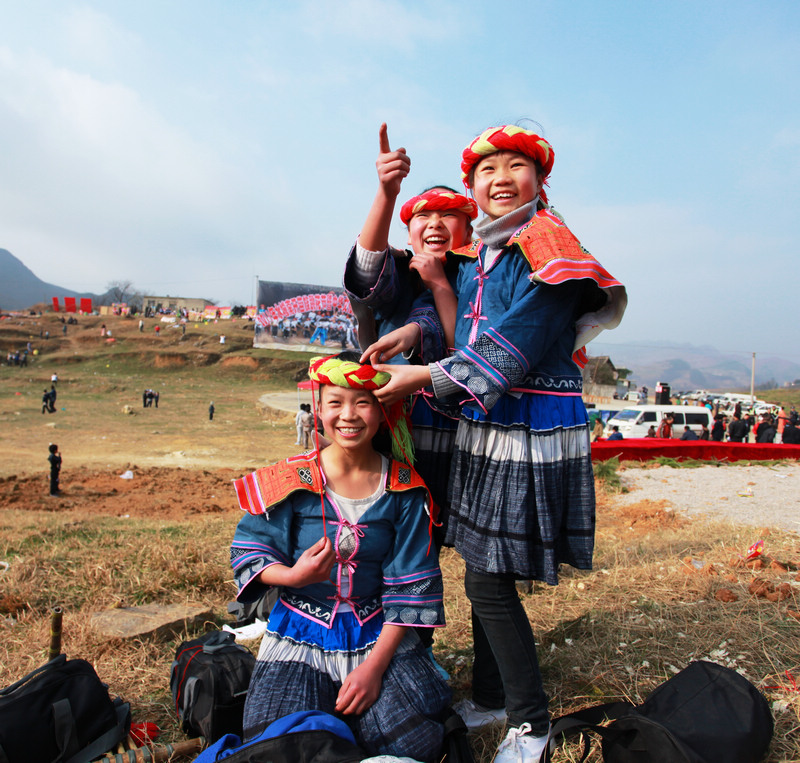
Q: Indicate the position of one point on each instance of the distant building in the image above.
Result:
(601, 380)
(175, 304)
(600, 370)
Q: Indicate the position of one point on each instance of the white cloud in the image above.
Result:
(389, 24)
(93, 37)
(95, 173)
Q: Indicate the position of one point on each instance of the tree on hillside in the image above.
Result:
(121, 291)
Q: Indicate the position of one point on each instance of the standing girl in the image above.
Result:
(412, 289)
(522, 491)
(345, 534)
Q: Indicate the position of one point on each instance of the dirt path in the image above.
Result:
(763, 496)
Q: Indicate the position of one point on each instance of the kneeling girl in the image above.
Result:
(346, 534)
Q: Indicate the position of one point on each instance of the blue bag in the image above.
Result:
(310, 736)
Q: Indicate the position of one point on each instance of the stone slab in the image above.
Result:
(159, 621)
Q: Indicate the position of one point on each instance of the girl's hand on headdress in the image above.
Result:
(392, 166)
(400, 340)
(405, 380)
(314, 565)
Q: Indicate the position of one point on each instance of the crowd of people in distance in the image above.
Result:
(783, 427)
(325, 328)
(149, 397)
(17, 358)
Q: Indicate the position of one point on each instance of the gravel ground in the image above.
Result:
(764, 496)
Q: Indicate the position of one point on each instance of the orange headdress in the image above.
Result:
(507, 138)
(438, 199)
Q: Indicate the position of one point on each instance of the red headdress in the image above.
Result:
(438, 199)
(507, 138)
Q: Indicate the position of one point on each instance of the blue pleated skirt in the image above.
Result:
(522, 494)
(301, 666)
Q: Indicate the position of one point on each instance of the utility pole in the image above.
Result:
(753, 382)
(255, 293)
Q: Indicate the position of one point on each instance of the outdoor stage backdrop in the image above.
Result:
(303, 317)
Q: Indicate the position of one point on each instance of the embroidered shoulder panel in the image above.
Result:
(404, 477)
(470, 250)
(260, 490)
(552, 252)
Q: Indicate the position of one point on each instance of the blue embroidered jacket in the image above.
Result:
(393, 566)
(517, 322)
(398, 298)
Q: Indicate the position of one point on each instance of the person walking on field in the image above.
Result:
(211, 411)
(308, 426)
(55, 468)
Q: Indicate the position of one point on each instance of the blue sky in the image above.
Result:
(190, 146)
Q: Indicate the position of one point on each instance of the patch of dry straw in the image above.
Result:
(647, 609)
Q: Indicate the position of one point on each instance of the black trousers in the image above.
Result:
(506, 669)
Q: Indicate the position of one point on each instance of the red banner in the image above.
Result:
(69, 305)
(86, 304)
(645, 448)
(55, 304)
(304, 303)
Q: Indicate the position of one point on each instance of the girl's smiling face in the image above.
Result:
(438, 231)
(505, 181)
(351, 417)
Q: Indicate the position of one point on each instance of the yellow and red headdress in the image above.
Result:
(438, 199)
(346, 373)
(506, 138)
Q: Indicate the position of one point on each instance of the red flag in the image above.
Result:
(55, 304)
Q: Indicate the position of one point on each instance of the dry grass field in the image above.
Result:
(664, 590)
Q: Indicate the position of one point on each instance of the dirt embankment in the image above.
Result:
(150, 492)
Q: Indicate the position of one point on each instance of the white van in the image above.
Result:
(634, 421)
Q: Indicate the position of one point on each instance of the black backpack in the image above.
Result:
(209, 680)
(705, 714)
(61, 712)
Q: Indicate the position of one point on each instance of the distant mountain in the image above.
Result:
(20, 287)
(686, 367)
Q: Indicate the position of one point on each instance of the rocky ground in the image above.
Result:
(763, 496)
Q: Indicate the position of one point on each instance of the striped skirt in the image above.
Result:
(301, 666)
(434, 437)
(522, 494)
